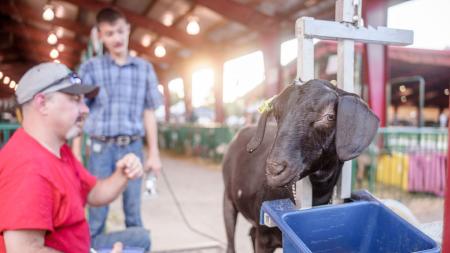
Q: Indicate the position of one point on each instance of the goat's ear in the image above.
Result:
(259, 136)
(355, 128)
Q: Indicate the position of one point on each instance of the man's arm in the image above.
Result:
(153, 162)
(26, 241)
(106, 190)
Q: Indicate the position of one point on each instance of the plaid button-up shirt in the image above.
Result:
(125, 92)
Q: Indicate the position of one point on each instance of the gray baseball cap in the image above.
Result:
(50, 77)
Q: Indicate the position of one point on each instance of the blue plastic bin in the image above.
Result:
(361, 226)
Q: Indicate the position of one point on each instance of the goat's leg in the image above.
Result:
(265, 241)
(230, 216)
(252, 234)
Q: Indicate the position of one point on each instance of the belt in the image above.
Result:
(120, 140)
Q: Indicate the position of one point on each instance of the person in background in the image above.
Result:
(43, 187)
(120, 116)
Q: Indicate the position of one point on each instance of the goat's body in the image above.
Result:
(318, 127)
(246, 189)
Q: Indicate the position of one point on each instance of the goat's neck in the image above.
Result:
(324, 179)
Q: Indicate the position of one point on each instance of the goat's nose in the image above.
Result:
(275, 168)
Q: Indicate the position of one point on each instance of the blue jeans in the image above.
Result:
(131, 237)
(102, 163)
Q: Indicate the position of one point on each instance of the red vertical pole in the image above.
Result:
(218, 91)
(446, 229)
(187, 85)
(375, 59)
(166, 90)
(270, 42)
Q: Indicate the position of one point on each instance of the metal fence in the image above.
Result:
(413, 159)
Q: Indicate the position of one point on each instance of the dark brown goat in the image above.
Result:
(318, 128)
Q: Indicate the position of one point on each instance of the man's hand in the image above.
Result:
(130, 166)
(117, 248)
(153, 164)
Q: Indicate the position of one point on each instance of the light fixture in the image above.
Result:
(6, 80)
(167, 19)
(48, 14)
(402, 88)
(12, 84)
(60, 47)
(59, 32)
(56, 60)
(403, 99)
(446, 92)
(59, 11)
(193, 27)
(52, 39)
(54, 53)
(1, 75)
(133, 53)
(146, 40)
(160, 51)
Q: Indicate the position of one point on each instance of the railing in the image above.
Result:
(206, 141)
(413, 159)
(6, 131)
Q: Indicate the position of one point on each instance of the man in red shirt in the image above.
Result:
(43, 187)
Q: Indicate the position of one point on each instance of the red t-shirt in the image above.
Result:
(43, 192)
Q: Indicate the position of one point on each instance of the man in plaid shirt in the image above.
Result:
(121, 115)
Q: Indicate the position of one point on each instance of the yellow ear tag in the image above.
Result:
(333, 82)
(267, 105)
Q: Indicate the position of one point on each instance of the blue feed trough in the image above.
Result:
(364, 225)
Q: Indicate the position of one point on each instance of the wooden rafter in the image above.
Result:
(175, 23)
(85, 31)
(145, 22)
(26, 13)
(242, 14)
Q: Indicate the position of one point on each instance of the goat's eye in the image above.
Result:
(331, 117)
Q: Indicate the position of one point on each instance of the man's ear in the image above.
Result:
(40, 102)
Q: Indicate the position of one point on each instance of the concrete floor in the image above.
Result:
(198, 186)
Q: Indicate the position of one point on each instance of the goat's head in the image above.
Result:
(314, 120)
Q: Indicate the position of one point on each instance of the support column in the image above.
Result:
(376, 70)
(187, 85)
(165, 84)
(218, 91)
(270, 42)
(446, 229)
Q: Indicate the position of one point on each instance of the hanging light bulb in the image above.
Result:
(56, 60)
(52, 39)
(167, 19)
(146, 40)
(160, 51)
(48, 14)
(12, 84)
(6, 80)
(133, 53)
(54, 53)
(193, 27)
(59, 32)
(60, 11)
(60, 47)
(446, 92)
(1, 75)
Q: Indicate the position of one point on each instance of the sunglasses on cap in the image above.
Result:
(72, 77)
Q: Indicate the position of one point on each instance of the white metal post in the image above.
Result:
(346, 30)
